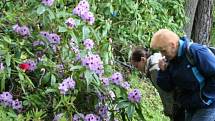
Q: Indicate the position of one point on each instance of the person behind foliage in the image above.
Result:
(148, 64)
(194, 84)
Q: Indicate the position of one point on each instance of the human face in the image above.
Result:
(169, 51)
(140, 65)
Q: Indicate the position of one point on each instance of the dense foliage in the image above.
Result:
(58, 58)
(132, 22)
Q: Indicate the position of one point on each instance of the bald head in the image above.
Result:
(163, 37)
(166, 42)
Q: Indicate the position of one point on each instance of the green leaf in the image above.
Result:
(88, 76)
(139, 112)
(112, 117)
(63, 118)
(96, 79)
(51, 14)
(75, 68)
(21, 76)
(8, 59)
(53, 79)
(3, 82)
(29, 52)
(12, 115)
(106, 29)
(123, 104)
(8, 72)
(106, 57)
(50, 90)
(85, 31)
(111, 9)
(73, 35)
(62, 29)
(25, 102)
(41, 9)
(123, 115)
(98, 38)
(46, 78)
(131, 109)
(28, 80)
(108, 69)
(62, 14)
(77, 22)
(7, 39)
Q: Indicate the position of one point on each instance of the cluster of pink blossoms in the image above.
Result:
(102, 111)
(82, 10)
(6, 99)
(117, 79)
(92, 117)
(53, 39)
(66, 85)
(21, 30)
(88, 43)
(48, 2)
(135, 96)
(28, 65)
(70, 22)
(94, 63)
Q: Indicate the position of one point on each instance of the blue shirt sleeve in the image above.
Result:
(205, 60)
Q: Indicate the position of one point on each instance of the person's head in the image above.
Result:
(139, 58)
(166, 42)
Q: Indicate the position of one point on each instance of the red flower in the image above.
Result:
(24, 66)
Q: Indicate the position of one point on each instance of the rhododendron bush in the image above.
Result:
(55, 65)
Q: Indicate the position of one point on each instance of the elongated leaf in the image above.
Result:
(41, 9)
(51, 14)
(85, 31)
(50, 90)
(46, 78)
(53, 79)
(131, 109)
(98, 38)
(62, 29)
(7, 39)
(21, 76)
(106, 29)
(88, 77)
(112, 117)
(139, 112)
(106, 57)
(123, 104)
(3, 82)
(96, 79)
(76, 67)
(123, 115)
(29, 80)
(8, 72)
(8, 59)
(73, 35)
(13, 115)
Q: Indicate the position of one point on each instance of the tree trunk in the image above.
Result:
(203, 22)
(190, 10)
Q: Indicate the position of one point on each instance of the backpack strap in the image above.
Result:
(188, 54)
(196, 72)
(191, 60)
